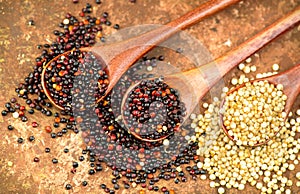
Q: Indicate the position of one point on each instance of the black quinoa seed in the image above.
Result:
(111, 191)
(75, 164)
(7, 105)
(84, 183)
(48, 113)
(126, 186)
(81, 158)
(84, 151)
(31, 23)
(103, 186)
(54, 161)
(20, 140)
(36, 159)
(91, 171)
(3, 112)
(10, 127)
(105, 14)
(116, 186)
(85, 35)
(161, 58)
(108, 23)
(68, 186)
(11, 109)
(28, 101)
(64, 130)
(116, 26)
(114, 181)
(59, 134)
(24, 119)
(53, 135)
(31, 138)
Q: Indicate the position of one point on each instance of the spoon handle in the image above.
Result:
(122, 55)
(156, 36)
(201, 12)
(249, 47)
(212, 72)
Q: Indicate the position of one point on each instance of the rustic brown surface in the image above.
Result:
(18, 51)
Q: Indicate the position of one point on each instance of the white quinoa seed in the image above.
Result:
(149, 68)
(221, 190)
(275, 67)
(15, 115)
(241, 66)
(258, 113)
(248, 60)
(66, 21)
(262, 167)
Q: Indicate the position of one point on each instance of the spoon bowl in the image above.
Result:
(192, 85)
(290, 80)
(119, 57)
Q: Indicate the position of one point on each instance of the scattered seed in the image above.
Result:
(31, 23)
(275, 67)
(36, 159)
(31, 138)
(20, 140)
(9, 163)
(84, 183)
(54, 161)
(3, 112)
(68, 186)
(15, 115)
(34, 124)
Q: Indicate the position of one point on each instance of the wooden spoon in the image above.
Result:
(194, 84)
(119, 57)
(290, 80)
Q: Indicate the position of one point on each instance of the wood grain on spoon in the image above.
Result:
(198, 81)
(194, 84)
(119, 57)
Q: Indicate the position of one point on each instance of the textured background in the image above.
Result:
(18, 50)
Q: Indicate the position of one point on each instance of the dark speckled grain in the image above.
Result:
(18, 50)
